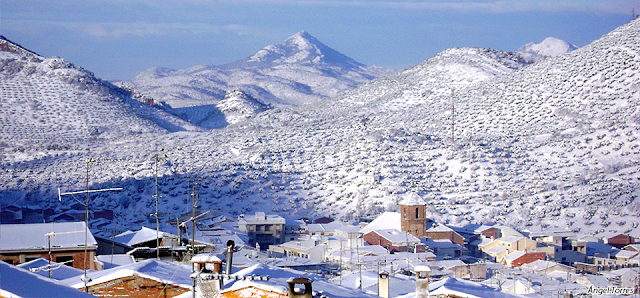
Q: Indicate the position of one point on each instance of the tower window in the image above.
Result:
(417, 213)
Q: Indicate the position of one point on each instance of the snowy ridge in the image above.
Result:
(51, 101)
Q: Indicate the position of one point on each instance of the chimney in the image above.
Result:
(383, 284)
(422, 281)
(207, 268)
(230, 246)
(299, 292)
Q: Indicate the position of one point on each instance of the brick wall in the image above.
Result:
(78, 258)
(453, 236)
(374, 239)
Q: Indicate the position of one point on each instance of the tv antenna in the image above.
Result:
(86, 209)
(159, 156)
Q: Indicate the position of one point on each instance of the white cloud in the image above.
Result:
(142, 29)
(488, 6)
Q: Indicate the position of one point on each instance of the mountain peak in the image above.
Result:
(300, 49)
(549, 47)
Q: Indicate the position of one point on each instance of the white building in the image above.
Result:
(263, 229)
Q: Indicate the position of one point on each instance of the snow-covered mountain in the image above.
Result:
(51, 101)
(549, 47)
(549, 143)
(300, 70)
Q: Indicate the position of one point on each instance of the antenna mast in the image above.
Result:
(86, 210)
(157, 196)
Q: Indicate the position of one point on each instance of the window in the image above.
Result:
(62, 259)
(417, 213)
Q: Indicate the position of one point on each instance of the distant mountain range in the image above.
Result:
(481, 134)
(301, 70)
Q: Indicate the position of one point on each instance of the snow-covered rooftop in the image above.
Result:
(439, 228)
(162, 271)
(397, 236)
(510, 239)
(260, 218)
(453, 287)
(515, 255)
(111, 261)
(58, 271)
(413, 199)
(386, 220)
(278, 282)
(143, 235)
(67, 235)
(19, 282)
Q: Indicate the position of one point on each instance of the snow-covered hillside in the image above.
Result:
(50, 102)
(549, 143)
(300, 70)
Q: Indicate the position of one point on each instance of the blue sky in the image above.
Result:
(117, 39)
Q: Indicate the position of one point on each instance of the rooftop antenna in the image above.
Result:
(159, 156)
(86, 209)
(49, 267)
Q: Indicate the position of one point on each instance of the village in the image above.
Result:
(398, 254)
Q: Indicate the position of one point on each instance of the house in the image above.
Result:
(459, 269)
(394, 241)
(437, 232)
(386, 220)
(262, 229)
(625, 277)
(545, 267)
(108, 246)
(19, 282)
(146, 237)
(295, 229)
(323, 220)
(67, 243)
(512, 243)
(149, 278)
(308, 249)
(444, 249)
(11, 214)
(620, 240)
(369, 179)
(519, 258)
(327, 229)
